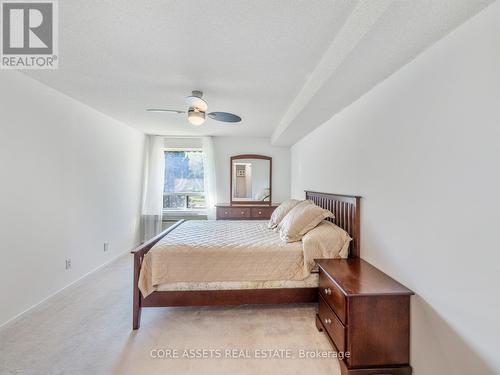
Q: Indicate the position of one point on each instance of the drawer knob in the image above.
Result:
(225, 212)
(242, 212)
(328, 291)
(328, 321)
(260, 212)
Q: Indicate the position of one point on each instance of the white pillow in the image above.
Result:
(300, 220)
(280, 212)
(327, 240)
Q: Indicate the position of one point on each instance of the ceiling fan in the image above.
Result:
(196, 112)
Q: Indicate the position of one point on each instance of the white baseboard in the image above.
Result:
(12, 320)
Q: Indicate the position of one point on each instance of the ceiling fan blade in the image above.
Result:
(224, 117)
(164, 110)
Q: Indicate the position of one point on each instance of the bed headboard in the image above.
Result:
(346, 211)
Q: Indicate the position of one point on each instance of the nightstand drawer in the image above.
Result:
(262, 212)
(233, 213)
(332, 324)
(332, 295)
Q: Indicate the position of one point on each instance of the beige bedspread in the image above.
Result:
(223, 250)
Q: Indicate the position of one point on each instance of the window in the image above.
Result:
(184, 184)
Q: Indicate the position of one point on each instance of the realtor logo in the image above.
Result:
(29, 34)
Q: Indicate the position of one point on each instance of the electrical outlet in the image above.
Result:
(106, 246)
(68, 263)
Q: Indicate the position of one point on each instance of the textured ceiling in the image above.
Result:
(249, 57)
(284, 66)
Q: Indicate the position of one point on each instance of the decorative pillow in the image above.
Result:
(280, 212)
(300, 220)
(327, 240)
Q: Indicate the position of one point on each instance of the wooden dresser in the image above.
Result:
(366, 315)
(244, 211)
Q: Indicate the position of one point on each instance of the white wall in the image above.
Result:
(225, 147)
(71, 180)
(423, 149)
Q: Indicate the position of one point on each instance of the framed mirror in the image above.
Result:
(251, 179)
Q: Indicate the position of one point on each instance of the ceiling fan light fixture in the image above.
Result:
(196, 117)
(195, 101)
(197, 111)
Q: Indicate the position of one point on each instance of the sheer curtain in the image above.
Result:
(209, 176)
(152, 200)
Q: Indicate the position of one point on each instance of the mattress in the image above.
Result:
(312, 281)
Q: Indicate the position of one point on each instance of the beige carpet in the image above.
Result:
(87, 330)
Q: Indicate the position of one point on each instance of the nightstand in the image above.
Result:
(366, 314)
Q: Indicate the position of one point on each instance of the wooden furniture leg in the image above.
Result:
(136, 312)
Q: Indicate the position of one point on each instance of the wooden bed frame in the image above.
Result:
(346, 211)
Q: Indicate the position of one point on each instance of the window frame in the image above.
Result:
(185, 210)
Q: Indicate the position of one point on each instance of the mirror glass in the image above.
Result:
(251, 180)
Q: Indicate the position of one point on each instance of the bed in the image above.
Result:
(225, 286)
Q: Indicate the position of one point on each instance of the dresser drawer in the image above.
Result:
(406, 370)
(262, 212)
(332, 324)
(233, 213)
(333, 295)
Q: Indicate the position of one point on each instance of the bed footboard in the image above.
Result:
(139, 253)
